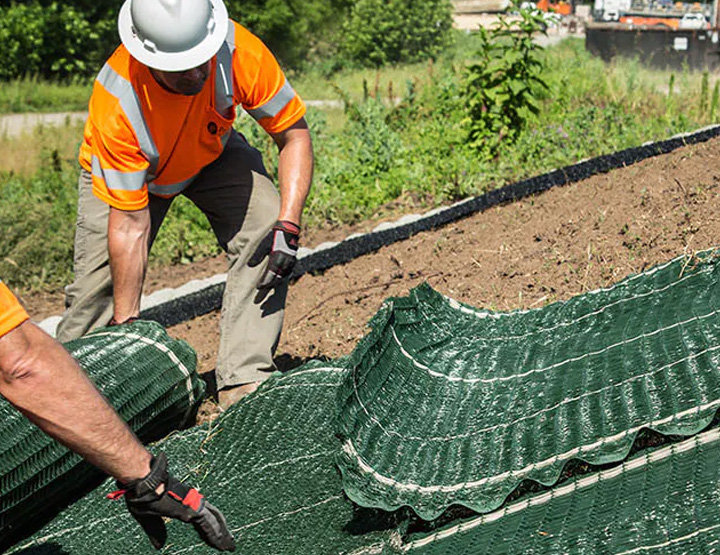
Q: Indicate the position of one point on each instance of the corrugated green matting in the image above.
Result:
(269, 462)
(450, 405)
(148, 377)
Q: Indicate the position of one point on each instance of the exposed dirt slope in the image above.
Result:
(521, 255)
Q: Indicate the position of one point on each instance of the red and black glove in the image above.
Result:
(177, 501)
(282, 246)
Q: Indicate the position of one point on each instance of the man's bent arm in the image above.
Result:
(44, 382)
(295, 169)
(128, 236)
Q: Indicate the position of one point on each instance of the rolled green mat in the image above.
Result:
(447, 404)
(147, 376)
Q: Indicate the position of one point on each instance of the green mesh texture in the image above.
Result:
(661, 501)
(447, 404)
(147, 376)
(269, 461)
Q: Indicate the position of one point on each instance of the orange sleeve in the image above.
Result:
(12, 314)
(261, 86)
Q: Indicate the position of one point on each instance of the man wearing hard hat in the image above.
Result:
(160, 125)
(44, 382)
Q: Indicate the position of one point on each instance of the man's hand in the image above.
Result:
(282, 245)
(175, 500)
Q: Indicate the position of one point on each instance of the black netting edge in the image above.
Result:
(210, 298)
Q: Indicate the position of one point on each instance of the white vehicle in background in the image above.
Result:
(693, 21)
(611, 15)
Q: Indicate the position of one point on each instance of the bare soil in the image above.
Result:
(521, 255)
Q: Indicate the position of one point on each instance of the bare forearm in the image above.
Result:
(295, 171)
(128, 235)
(43, 381)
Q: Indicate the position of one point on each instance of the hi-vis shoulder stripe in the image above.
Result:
(224, 98)
(121, 89)
(273, 106)
(117, 180)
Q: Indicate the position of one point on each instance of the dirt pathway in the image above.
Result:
(14, 125)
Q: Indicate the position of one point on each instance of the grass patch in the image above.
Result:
(26, 154)
(31, 94)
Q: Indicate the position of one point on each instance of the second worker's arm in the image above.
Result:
(45, 383)
(128, 237)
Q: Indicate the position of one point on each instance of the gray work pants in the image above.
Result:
(241, 204)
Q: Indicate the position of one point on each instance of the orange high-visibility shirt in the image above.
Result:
(141, 139)
(12, 314)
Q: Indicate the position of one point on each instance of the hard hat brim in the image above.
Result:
(174, 61)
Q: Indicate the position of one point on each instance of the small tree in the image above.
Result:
(501, 87)
(380, 32)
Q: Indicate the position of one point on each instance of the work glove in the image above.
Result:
(282, 245)
(177, 501)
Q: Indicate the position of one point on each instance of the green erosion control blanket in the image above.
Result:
(148, 377)
(447, 404)
(268, 463)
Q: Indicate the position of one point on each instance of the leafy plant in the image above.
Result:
(502, 86)
(380, 32)
(53, 40)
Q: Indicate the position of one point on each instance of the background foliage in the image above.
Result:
(379, 32)
(502, 87)
(70, 39)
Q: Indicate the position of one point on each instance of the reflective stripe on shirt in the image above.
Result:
(224, 97)
(171, 189)
(121, 89)
(273, 106)
(114, 179)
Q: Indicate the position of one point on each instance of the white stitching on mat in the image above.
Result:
(552, 366)
(480, 314)
(274, 464)
(350, 450)
(671, 542)
(528, 416)
(172, 356)
(264, 520)
(633, 464)
(488, 314)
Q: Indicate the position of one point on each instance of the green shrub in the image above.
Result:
(55, 41)
(380, 32)
(502, 86)
(292, 29)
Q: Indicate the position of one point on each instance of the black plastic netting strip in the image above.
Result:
(147, 376)
(210, 298)
(268, 464)
(448, 405)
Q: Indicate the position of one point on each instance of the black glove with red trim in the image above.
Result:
(177, 501)
(282, 246)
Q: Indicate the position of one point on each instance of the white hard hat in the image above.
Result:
(173, 35)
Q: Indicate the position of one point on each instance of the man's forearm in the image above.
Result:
(295, 170)
(44, 382)
(128, 236)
